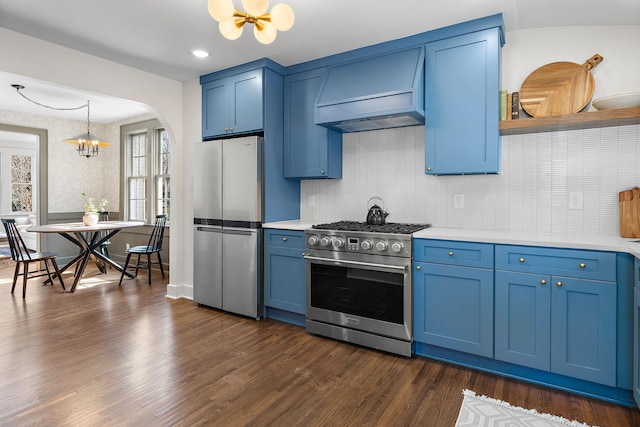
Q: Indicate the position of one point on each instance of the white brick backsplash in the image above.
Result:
(531, 193)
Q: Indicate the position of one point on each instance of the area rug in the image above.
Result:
(482, 411)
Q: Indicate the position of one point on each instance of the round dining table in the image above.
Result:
(88, 238)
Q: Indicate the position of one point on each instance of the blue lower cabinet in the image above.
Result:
(564, 325)
(284, 276)
(557, 324)
(636, 345)
(453, 307)
(583, 329)
(523, 321)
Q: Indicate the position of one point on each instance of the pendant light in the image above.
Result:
(88, 144)
(266, 25)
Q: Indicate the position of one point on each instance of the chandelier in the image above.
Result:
(87, 143)
(266, 25)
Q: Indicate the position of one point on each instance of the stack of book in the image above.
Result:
(509, 105)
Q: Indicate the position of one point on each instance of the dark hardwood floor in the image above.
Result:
(114, 356)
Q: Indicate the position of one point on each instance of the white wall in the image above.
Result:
(538, 170)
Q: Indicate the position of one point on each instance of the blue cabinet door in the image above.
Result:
(310, 151)
(233, 105)
(636, 344)
(583, 329)
(522, 320)
(453, 307)
(246, 102)
(284, 279)
(462, 104)
(215, 114)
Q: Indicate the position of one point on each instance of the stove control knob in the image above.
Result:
(325, 241)
(381, 246)
(338, 242)
(313, 240)
(397, 247)
(366, 245)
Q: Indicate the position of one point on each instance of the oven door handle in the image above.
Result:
(364, 264)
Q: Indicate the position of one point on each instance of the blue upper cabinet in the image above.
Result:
(462, 104)
(310, 151)
(233, 105)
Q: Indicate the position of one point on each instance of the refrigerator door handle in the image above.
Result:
(241, 232)
(209, 229)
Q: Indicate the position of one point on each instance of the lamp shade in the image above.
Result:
(221, 10)
(229, 29)
(255, 7)
(267, 34)
(282, 17)
(88, 139)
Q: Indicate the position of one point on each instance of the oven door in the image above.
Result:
(366, 293)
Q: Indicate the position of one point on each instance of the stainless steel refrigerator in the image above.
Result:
(228, 191)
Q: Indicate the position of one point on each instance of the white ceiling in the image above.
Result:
(158, 35)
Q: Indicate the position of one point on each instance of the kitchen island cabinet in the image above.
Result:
(556, 311)
(310, 150)
(284, 276)
(453, 295)
(462, 104)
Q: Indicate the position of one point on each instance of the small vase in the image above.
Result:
(90, 218)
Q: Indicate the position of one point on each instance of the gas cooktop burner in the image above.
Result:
(390, 227)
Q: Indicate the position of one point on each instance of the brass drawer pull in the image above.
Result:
(521, 260)
(559, 283)
(583, 265)
(543, 282)
(450, 253)
(418, 267)
(284, 239)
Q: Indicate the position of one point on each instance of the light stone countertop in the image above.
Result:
(294, 224)
(554, 240)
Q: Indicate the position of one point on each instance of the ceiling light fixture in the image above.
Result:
(266, 25)
(87, 142)
(199, 53)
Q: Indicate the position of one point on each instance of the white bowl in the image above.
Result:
(624, 100)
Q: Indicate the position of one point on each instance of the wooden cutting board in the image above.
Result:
(629, 201)
(558, 88)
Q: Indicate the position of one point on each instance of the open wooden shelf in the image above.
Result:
(592, 119)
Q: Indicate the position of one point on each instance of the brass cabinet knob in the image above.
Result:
(521, 260)
(583, 265)
(559, 283)
(428, 168)
(418, 267)
(450, 253)
(284, 239)
(543, 282)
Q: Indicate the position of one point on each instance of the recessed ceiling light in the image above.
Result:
(200, 53)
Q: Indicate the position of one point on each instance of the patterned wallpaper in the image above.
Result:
(531, 194)
(69, 174)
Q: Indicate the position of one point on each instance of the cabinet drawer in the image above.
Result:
(284, 238)
(557, 262)
(452, 252)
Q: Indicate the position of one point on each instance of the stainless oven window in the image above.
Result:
(366, 293)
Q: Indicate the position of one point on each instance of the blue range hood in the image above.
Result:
(379, 92)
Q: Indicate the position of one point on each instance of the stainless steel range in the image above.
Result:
(359, 283)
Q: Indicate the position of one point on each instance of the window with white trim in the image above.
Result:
(145, 168)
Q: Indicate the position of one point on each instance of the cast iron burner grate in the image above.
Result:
(390, 227)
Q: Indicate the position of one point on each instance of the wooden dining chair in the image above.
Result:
(154, 246)
(23, 257)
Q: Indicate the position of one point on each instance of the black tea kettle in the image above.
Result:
(376, 214)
